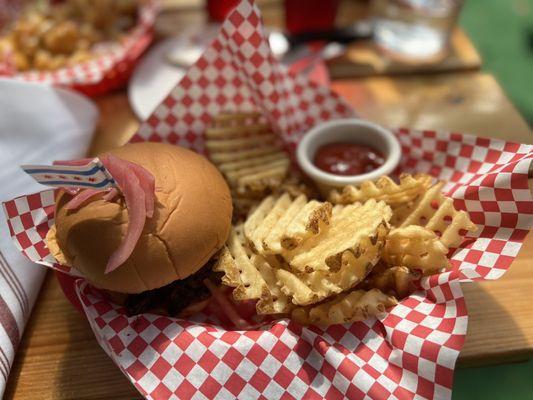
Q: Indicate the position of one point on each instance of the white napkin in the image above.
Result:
(38, 124)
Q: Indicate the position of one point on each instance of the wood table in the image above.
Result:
(59, 358)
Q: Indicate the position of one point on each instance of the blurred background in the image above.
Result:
(502, 32)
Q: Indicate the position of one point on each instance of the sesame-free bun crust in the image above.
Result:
(191, 221)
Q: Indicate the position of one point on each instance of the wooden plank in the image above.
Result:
(469, 103)
(500, 324)
(59, 358)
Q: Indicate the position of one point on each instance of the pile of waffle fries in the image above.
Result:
(330, 261)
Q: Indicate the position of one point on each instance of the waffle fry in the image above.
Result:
(437, 213)
(416, 247)
(231, 145)
(267, 177)
(309, 221)
(284, 223)
(295, 185)
(235, 118)
(335, 263)
(337, 258)
(396, 281)
(252, 277)
(244, 149)
(220, 158)
(312, 287)
(256, 229)
(349, 307)
(340, 244)
(272, 240)
(384, 189)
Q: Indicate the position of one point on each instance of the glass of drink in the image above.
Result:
(302, 16)
(414, 31)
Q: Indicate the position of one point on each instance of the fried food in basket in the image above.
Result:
(328, 254)
(340, 245)
(409, 188)
(311, 287)
(414, 201)
(245, 149)
(437, 213)
(327, 262)
(252, 277)
(248, 154)
(52, 35)
(357, 305)
(416, 247)
(283, 223)
(395, 281)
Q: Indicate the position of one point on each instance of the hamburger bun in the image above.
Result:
(191, 222)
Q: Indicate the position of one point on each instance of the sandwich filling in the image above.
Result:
(176, 296)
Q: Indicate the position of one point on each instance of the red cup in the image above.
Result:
(218, 10)
(310, 15)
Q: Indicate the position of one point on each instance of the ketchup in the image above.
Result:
(347, 158)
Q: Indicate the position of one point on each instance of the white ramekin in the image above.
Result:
(352, 131)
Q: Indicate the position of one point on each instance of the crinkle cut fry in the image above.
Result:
(357, 305)
(283, 222)
(247, 153)
(347, 228)
(416, 247)
(384, 189)
(252, 277)
(436, 212)
(397, 281)
(312, 287)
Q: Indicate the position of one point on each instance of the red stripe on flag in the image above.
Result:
(7, 320)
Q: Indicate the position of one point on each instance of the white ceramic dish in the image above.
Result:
(354, 131)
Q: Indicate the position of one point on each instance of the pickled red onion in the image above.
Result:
(138, 187)
(111, 194)
(71, 190)
(130, 185)
(147, 182)
(81, 197)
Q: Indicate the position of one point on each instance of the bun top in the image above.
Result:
(191, 222)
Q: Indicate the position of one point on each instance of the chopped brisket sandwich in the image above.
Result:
(149, 242)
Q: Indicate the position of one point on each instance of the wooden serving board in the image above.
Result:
(58, 357)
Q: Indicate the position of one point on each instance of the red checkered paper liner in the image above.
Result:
(238, 72)
(108, 71)
(410, 352)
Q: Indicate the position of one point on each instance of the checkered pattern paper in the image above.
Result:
(29, 218)
(239, 72)
(409, 352)
(108, 71)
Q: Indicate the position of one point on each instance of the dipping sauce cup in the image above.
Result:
(353, 131)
